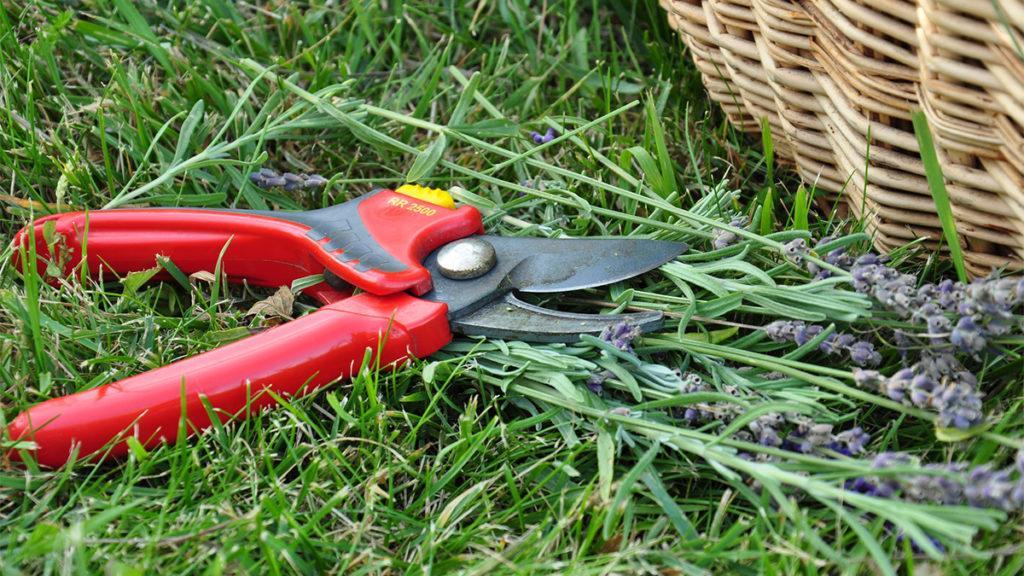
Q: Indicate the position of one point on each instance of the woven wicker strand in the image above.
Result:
(838, 81)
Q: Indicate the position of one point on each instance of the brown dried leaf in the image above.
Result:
(203, 276)
(32, 204)
(277, 305)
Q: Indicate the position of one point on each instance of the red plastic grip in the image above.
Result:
(265, 249)
(292, 359)
(409, 229)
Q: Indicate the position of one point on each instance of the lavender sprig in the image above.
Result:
(949, 484)
(804, 435)
(266, 178)
(953, 317)
(953, 395)
(860, 352)
(965, 316)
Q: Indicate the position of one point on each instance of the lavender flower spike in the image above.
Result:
(860, 352)
(267, 178)
(621, 335)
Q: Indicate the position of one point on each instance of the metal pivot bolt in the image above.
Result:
(467, 258)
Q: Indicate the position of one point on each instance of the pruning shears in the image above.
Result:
(404, 271)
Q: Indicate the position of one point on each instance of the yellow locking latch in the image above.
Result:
(435, 196)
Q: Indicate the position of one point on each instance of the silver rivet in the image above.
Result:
(466, 258)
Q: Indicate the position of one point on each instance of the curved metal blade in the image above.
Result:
(563, 265)
(509, 318)
(544, 265)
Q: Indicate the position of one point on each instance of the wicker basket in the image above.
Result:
(837, 80)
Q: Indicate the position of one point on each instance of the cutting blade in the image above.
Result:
(486, 305)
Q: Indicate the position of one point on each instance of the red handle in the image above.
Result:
(375, 242)
(264, 251)
(291, 359)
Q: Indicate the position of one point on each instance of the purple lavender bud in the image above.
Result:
(765, 429)
(959, 405)
(797, 443)
(999, 326)
(783, 330)
(854, 440)
(548, 136)
(1004, 293)
(960, 417)
(795, 250)
(922, 389)
(949, 294)
(861, 486)
(989, 488)
(769, 437)
(868, 379)
(862, 279)
(862, 353)
(967, 336)
(621, 335)
(268, 173)
(820, 435)
(938, 363)
(596, 381)
(315, 181)
(274, 182)
(967, 379)
(869, 259)
(805, 333)
(898, 384)
(889, 460)
(836, 343)
(692, 383)
(938, 324)
(291, 181)
(838, 258)
(724, 239)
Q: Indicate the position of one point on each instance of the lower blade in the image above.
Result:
(509, 318)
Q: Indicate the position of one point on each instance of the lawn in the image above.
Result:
(712, 446)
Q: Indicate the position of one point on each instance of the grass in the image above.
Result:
(489, 456)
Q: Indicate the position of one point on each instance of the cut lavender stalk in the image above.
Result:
(267, 179)
(953, 317)
(860, 352)
(949, 484)
(954, 396)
